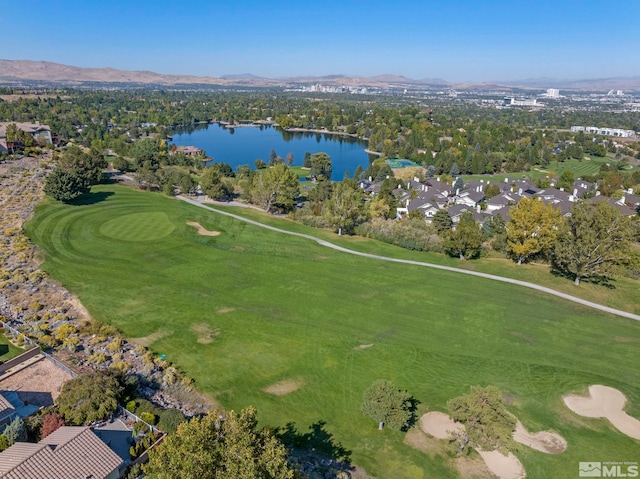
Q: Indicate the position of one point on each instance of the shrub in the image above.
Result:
(148, 418)
(50, 423)
(170, 419)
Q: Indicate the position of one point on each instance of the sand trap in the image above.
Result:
(439, 424)
(284, 387)
(201, 230)
(206, 334)
(545, 441)
(606, 402)
(505, 467)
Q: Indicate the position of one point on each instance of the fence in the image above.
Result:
(19, 359)
(130, 415)
(72, 373)
(17, 333)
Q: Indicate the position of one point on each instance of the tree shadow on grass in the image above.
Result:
(604, 281)
(91, 198)
(315, 452)
(4, 349)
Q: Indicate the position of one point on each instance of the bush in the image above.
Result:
(170, 419)
(414, 234)
(51, 422)
(388, 405)
(148, 418)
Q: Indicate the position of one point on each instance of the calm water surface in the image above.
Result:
(244, 145)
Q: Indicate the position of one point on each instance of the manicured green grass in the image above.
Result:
(288, 308)
(8, 350)
(582, 167)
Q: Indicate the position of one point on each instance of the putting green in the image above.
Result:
(145, 226)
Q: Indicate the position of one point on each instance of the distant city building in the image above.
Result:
(594, 130)
(553, 93)
(512, 101)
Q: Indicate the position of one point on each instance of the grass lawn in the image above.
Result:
(282, 308)
(8, 350)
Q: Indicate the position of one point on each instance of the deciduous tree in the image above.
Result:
(345, 208)
(274, 187)
(220, 446)
(214, 185)
(532, 228)
(465, 241)
(388, 405)
(596, 239)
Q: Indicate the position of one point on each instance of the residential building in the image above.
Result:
(40, 133)
(71, 452)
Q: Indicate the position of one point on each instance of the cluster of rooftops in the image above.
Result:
(432, 195)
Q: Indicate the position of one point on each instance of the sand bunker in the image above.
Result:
(201, 230)
(439, 424)
(606, 402)
(284, 387)
(545, 441)
(206, 334)
(505, 467)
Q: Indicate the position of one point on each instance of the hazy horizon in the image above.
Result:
(457, 42)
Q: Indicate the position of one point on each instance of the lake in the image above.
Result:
(244, 145)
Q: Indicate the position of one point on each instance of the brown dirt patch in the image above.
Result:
(422, 442)
(284, 387)
(620, 339)
(202, 231)
(39, 383)
(82, 313)
(206, 334)
(146, 341)
(225, 310)
(473, 468)
(544, 441)
(363, 346)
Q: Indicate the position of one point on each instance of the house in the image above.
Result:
(188, 150)
(71, 452)
(40, 133)
(11, 407)
(7, 412)
(500, 201)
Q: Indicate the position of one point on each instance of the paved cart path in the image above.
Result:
(493, 277)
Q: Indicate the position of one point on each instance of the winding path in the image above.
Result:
(517, 282)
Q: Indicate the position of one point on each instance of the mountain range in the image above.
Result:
(17, 71)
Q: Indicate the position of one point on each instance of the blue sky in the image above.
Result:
(454, 40)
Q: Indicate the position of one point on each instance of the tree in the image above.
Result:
(307, 160)
(566, 180)
(289, 159)
(458, 185)
(321, 166)
(89, 397)
(148, 153)
(488, 424)
(388, 405)
(220, 446)
(442, 221)
(345, 208)
(214, 185)
(273, 158)
(274, 187)
(89, 166)
(532, 228)
(15, 431)
(50, 423)
(465, 241)
(491, 190)
(65, 185)
(597, 238)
